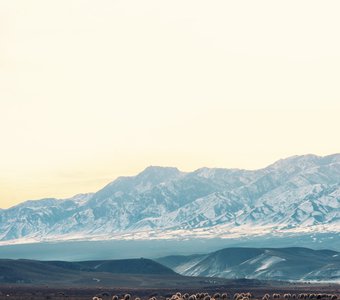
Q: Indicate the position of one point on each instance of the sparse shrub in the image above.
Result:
(241, 296)
(267, 296)
(127, 297)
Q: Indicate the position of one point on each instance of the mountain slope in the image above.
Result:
(125, 275)
(260, 263)
(33, 271)
(294, 195)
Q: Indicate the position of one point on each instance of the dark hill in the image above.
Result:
(128, 266)
(127, 274)
(33, 271)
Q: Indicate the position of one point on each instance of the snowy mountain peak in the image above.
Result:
(158, 174)
(297, 161)
(304, 162)
(157, 169)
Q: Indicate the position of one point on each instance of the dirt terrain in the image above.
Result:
(27, 292)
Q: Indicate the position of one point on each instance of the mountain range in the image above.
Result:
(300, 194)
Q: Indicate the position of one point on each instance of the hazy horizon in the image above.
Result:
(90, 92)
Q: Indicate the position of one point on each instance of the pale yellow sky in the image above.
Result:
(90, 90)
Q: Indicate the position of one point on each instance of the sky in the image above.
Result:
(91, 90)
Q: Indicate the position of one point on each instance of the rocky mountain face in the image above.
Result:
(297, 264)
(297, 194)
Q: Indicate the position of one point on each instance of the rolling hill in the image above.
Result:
(293, 264)
(122, 274)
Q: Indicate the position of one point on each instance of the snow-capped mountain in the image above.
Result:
(260, 263)
(297, 194)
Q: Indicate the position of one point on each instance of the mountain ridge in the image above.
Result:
(296, 194)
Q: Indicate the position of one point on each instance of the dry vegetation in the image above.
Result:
(45, 293)
(223, 296)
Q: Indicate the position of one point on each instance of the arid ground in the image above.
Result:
(27, 292)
